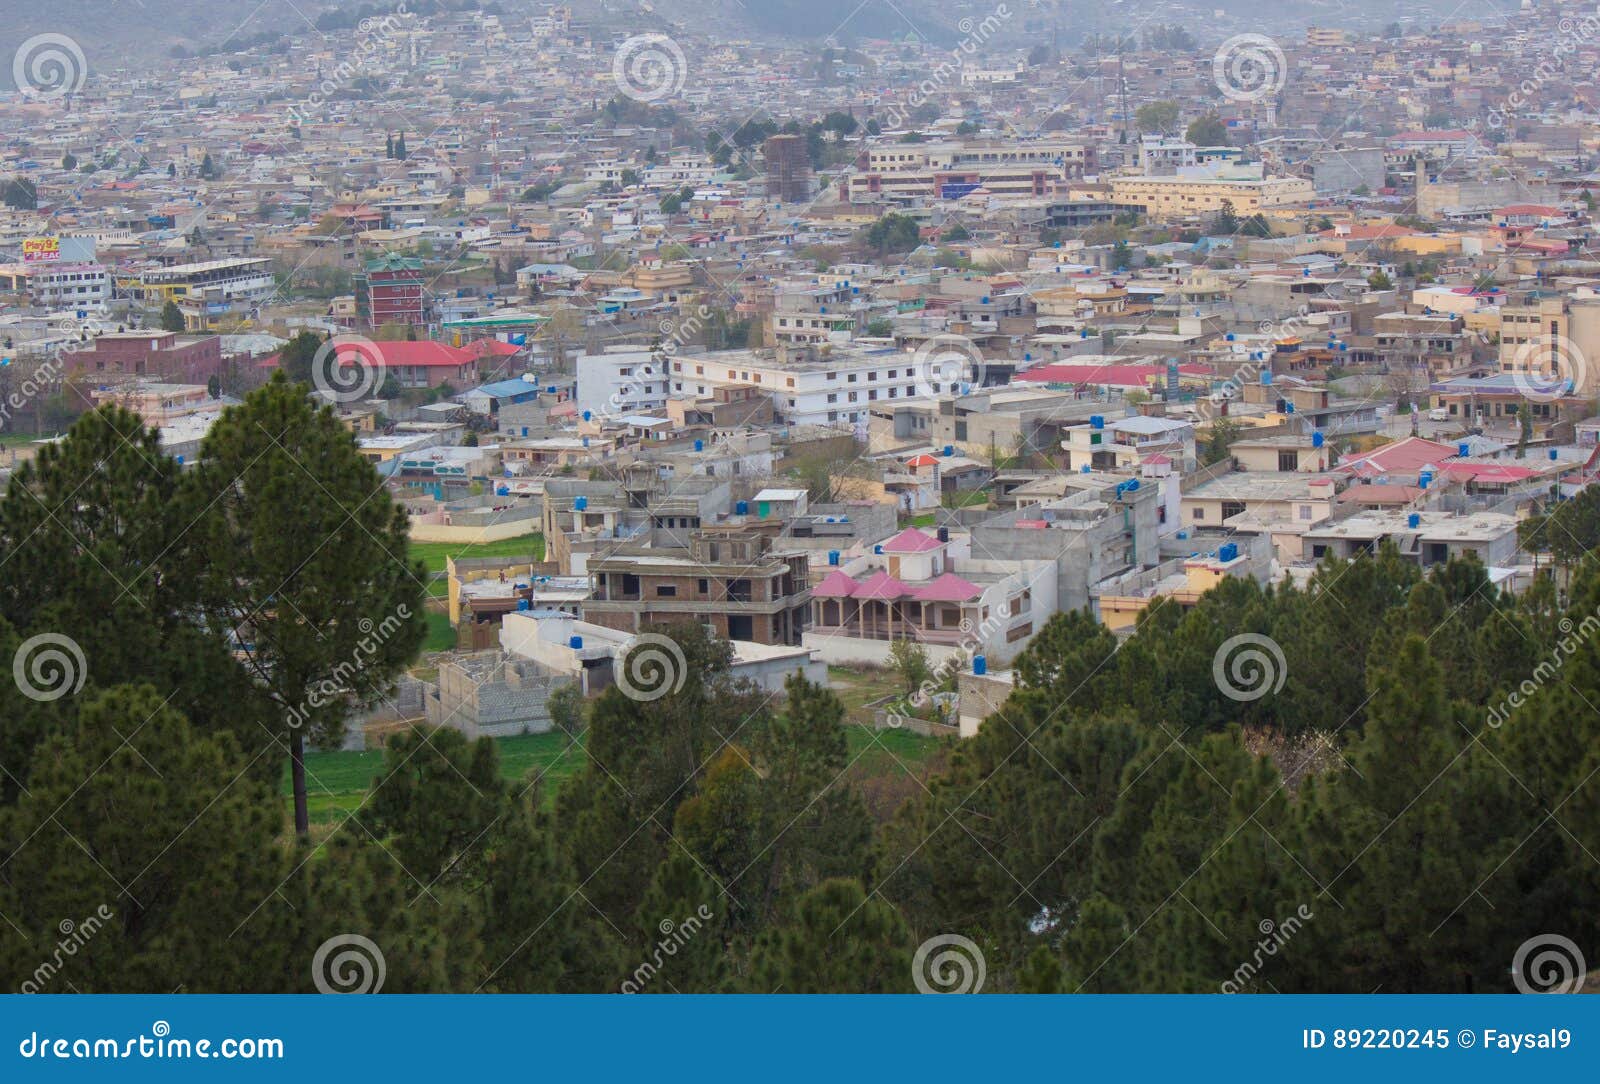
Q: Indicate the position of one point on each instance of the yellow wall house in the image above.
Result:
(1201, 191)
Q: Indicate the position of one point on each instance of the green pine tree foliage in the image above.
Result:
(839, 940)
(303, 562)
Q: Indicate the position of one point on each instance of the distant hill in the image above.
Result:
(117, 33)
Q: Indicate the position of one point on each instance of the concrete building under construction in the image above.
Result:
(788, 169)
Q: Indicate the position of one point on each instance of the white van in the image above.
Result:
(1439, 414)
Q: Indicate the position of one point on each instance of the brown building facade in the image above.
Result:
(729, 579)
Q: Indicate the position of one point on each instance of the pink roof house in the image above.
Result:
(910, 588)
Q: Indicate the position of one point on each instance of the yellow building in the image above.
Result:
(1120, 605)
(1189, 194)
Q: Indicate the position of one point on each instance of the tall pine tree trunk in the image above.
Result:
(297, 775)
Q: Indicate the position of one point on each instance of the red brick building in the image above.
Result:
(391, 290)
(165, 356)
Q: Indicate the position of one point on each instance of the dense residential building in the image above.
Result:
(737, 581)
(390, 290)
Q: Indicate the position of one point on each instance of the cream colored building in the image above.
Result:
(1553, 336)
(1203, 192)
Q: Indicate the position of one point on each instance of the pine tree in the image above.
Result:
(98, 550)
(304, 563)
(160, 838)
(840, 940)
(436, 797)
(172, 317)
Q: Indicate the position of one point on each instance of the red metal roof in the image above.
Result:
(401, 354)
(947, 588)
(1403, 456)
(881, 585)
(834, 585)
(911, 540)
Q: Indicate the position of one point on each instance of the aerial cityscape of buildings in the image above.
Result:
(835, 344)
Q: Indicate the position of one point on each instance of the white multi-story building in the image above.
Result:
(680, 171)
(622, 381)
(950, 170)
(828, 385)
(59, 285)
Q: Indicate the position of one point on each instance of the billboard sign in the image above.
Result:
(41, 249)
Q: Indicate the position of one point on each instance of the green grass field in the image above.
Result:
(337, 783)
(433, 554)
(441, 635)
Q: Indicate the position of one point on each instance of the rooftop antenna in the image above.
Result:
(1122, 89)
